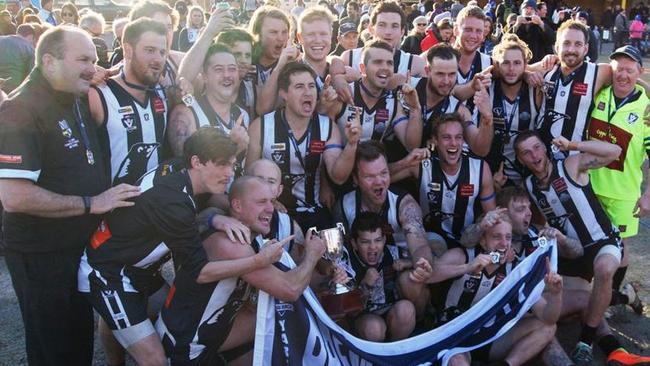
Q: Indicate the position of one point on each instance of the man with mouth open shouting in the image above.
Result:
(215, 324)
(302, 142)
(451, 182)
(401, 214)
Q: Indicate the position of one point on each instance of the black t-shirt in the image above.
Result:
(163, 219)
(41, 141)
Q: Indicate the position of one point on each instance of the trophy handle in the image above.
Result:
(313, 229)
(341, 227)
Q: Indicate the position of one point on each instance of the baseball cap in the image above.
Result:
(347, 27)
(629, 51)
(529, 3)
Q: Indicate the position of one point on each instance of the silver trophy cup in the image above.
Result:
(334, 242)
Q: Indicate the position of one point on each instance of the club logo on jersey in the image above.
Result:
(601, 106)
(497, 111)
(632, 117)
(316, 147)
(381, 115)
(466, 190)
(278, 157)
(431, 195)
(65, 128)
(283, 307)
(471, 285)
(126, 110)
(158, 105)
(146, 116)
(128, 121)
(549, 89)
(559, 185)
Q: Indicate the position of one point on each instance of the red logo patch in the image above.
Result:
(101, 235)
(381, 115)
(316, 147)
(466, 190)
(11, 159)
(580, 89)
(559, 185)
(158, 105)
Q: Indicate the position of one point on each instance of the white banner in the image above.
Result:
(301, 333)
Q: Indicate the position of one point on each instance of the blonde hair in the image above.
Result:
(315, 13)
(511, 42)
(470, 12)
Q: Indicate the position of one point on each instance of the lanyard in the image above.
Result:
(138, 87)
(294, 142)
(84, 134)
(512, 113)
(610, 113)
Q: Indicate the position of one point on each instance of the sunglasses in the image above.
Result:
(422, 24)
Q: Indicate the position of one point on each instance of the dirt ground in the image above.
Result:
(631, 329)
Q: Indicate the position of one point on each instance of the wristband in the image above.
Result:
(210, 217)
(86, 205)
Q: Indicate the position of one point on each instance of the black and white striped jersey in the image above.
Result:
(376, 121)
(449, 202)
(350, 206)
(448, 105)
(197, 318)
(299, 157)
(468, 289)
(509, 118)
(134, 241)
(131, 134)
(570, 207)
(568, 103)
(402, 61)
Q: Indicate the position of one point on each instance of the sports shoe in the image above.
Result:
(620, 357)
(631, 289)
(583, 354)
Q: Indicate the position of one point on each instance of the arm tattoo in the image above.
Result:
(179, 134)
(411, 217)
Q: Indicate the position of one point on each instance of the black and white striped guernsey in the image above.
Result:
(570, 207)
(299, 157)
(568, 103)
(448, 104)
(448, 202)
(509, 118)
(402, 61)
(376, 122)
(131, 134)
(351, 206)
(481, 62)
(468, 289)
(196, 319)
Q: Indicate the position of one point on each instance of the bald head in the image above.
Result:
(269, 172)
(242, 186)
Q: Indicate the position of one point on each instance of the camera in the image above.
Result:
(528, 19)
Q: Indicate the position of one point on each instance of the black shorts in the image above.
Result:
(118, 308)
(583, 266)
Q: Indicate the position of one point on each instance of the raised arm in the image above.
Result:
(594, 154)
(339, 159)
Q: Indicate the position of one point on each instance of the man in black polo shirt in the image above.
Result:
(52, 187)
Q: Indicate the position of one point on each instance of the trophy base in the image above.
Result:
(337, 306)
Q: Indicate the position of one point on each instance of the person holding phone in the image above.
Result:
(531, 29)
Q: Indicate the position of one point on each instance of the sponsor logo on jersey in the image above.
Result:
(158, 105)
(11, 159)
(466, 190)
(601, 106)
(434, 186)
(316, 146)
(559, 185)
(283, 307)
(381, 115)
(580, 89)
(126, 110)
(279, 146)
